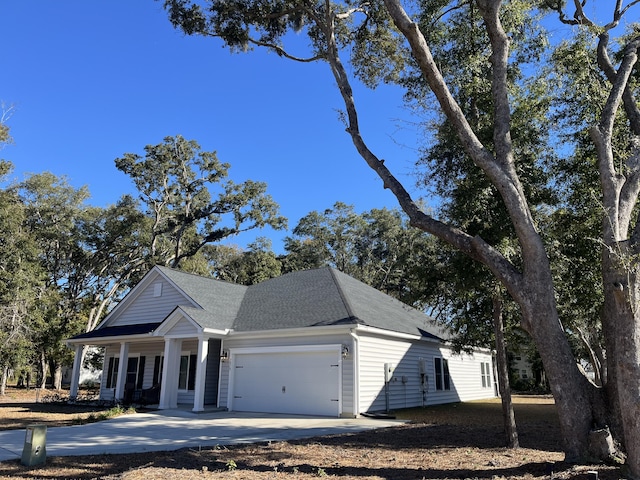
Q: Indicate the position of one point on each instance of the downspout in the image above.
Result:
(356, 373)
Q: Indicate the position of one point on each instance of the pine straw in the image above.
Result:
(446, 442)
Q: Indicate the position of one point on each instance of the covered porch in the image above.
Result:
(172, 363)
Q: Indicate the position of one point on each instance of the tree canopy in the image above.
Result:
(175, 180)
(474, 66)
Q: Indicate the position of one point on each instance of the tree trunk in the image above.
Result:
(43, 371)
(573, 393)
(508, 415)
(3, 381)
(531, 287)
(57, 376)
(621, 322)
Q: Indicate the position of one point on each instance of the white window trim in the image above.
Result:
(184, 353)
(442, 374)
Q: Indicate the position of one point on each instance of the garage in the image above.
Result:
(300, 381)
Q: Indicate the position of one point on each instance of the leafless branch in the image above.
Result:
(283, 53)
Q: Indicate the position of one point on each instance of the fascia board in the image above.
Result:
(391, 333)
(292, 332)
(217, 333)
(109, 340)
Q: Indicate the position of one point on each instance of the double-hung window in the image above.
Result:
(485, 373)
(187, 376)
(112, 372)
(441, 365)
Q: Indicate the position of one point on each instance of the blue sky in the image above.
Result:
(91, 80)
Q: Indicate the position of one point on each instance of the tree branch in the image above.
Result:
(283, 53)
(619, 194)
(474, 247)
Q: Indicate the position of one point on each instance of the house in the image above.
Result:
(312, 342)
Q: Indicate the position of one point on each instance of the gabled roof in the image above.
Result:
(309, 298)
(223, 299)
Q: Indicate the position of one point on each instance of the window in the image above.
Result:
(443, 382)
(485, 373)
(157, 370)
(134, 375)
(135, 372)
(112, 372)
(187, 377)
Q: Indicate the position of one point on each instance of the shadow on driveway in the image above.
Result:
(175, 429)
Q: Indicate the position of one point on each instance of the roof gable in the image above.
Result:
(310, 298)
(219, 298)
(150, 301)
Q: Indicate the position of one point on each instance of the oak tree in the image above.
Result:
(376, 35)
(191, 203)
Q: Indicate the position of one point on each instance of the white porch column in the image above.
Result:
(201, 374)
(170, 374)
(122, 370)
(75, 373)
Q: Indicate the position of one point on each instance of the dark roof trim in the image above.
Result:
(122, 330)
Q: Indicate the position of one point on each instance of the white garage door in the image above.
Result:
(287, 382)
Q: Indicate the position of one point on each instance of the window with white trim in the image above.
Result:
(441, 366)
(135, 372)
(187, 375)
(485, 373)
(112, 372)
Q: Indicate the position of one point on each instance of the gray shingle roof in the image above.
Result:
(220, 300)
(376, 309)
(309, 298)
(299, 299)
(306, 298)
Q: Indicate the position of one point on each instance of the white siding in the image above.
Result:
(147, 308)
(183, 328)
(405, 388)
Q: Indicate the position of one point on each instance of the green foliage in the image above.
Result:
(21, 278)
(257, 264)
(176, 182)
(5, 133)
(376, 247)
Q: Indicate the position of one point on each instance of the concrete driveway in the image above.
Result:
(174, 429)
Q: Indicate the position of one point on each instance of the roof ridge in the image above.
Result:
(343, 297)
(192, 274)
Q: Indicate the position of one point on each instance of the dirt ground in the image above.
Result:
(460, 441)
